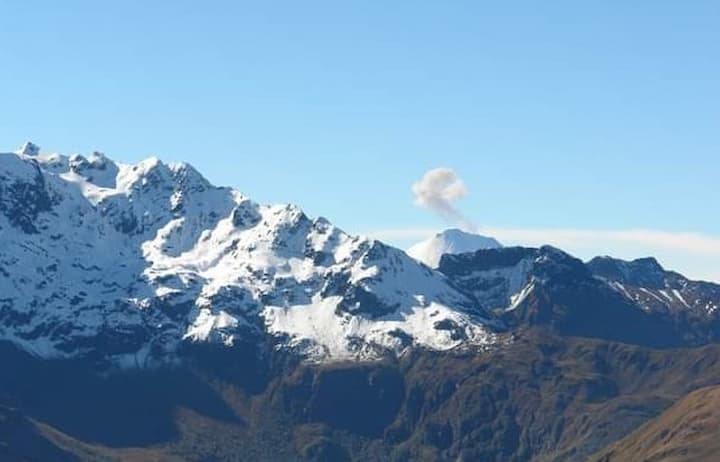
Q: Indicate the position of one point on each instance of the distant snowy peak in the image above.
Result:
(450, 241)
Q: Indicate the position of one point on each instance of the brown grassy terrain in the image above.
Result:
(688, 431)
(537, 398)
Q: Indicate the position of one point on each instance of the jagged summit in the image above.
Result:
(128, 263)
(450, 241)
(28, 149)
(645, 282)
(645, 271)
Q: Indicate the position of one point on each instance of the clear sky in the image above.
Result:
(569, 122)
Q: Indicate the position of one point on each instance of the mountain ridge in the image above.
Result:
(132, 263)
(146, 257)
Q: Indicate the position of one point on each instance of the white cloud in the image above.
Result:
(437, 190)
(684, 241)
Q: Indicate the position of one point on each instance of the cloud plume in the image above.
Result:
(437, 190)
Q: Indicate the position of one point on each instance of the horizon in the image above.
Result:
(590, 128)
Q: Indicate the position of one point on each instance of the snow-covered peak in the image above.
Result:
(450, 241)
(129, 262)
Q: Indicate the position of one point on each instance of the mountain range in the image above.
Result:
(146, 314)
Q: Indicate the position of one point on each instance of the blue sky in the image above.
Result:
(568, 122)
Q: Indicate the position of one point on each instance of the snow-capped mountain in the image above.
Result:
(450, 241)
(127, 263)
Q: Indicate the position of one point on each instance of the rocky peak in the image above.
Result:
(28, 149)
(642, 272)
(646, 283)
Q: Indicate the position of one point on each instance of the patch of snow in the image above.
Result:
(679, 296)
(517, 299)
(334, 336)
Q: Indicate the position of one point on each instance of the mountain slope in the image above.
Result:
(130, 263)
(546, 286)
(542, 398)
(21, 440)
(689, 430)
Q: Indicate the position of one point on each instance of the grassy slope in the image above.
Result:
(689, 430)
(540, 398)
(22, 440)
